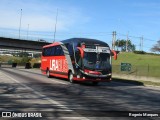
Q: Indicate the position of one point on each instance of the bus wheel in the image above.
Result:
(70, 77)
(48, 73)
(95, 83)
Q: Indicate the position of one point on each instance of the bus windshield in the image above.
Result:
(96, 61)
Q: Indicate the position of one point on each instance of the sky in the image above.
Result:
(82, 18)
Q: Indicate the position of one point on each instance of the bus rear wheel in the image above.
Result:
(48, 73)
(70, 77)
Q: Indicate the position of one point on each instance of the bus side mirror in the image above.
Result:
(114, 54)
(81, 52)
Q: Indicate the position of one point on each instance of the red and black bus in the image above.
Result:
(78, 59)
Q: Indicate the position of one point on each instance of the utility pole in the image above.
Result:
(127, 43)
(113, 40)
(20, 24)
(118, 45)
(142, 43)
(55, 26)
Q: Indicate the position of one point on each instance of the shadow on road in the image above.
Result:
(133, 82)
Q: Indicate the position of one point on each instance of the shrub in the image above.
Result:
(28, 66)
(139, 52)
(36, 65)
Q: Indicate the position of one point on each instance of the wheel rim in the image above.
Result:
(71, 77)
(48, 73)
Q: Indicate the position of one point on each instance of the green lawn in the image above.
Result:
(142, 64)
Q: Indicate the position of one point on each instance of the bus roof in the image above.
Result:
(52, 44)
(85, 40)
(78, 41)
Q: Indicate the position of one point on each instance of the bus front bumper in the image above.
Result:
(92, 78)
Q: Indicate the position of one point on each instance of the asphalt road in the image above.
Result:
(28, 91)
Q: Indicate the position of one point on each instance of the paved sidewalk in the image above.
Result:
(133, 77)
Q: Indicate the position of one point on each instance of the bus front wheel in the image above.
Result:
(70, 77)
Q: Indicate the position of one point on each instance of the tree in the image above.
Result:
(37, 55)
(25, 59)
(156, 47)
(122, 44)
(21, 54)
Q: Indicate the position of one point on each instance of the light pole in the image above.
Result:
(20, 24)
(55, 26)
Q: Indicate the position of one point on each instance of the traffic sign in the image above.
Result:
(125, 67)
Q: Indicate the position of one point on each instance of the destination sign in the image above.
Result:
(99, 49)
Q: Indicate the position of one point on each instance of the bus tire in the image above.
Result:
(95, 83)
(70, 77)
(48, 73)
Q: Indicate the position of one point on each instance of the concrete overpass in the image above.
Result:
(9, 43)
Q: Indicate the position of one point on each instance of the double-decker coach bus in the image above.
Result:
(78, 59)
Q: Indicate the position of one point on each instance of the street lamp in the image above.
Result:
(55, 26)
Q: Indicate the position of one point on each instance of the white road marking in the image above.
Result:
(50, 79)
(45, 97)
(39, 94)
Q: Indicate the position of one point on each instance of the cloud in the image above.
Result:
(40, 15)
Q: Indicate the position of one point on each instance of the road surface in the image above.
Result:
(27, 91)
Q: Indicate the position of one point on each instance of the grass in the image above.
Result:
(138, 59)
(142, 64)
(19, 60)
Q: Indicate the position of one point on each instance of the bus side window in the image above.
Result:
(61, 52)
(58, 51)
(52, 51)
(46, 52)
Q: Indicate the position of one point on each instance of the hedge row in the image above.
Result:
(139, 52)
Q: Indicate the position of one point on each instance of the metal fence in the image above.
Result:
(137, 72)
